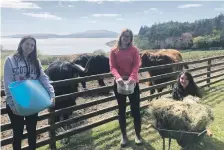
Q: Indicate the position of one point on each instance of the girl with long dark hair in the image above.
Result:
(185, 86)
(24, 65)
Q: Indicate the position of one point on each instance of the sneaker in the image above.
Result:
(138, 140)
(124, 141)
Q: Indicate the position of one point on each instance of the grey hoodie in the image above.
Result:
(15, 69)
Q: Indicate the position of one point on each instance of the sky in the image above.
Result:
(66, 17)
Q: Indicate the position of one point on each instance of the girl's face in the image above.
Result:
(28, 46)
(184, 80)
(126, 38)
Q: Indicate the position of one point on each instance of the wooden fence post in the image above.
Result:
(208, 71)
(51, 121)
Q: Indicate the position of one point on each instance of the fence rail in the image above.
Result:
(51, 140)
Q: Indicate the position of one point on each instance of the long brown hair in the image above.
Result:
(192, 87)
(32, 57)
(117, 46)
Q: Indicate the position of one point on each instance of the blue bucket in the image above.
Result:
(29, 96)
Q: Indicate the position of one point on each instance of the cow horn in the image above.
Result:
(87, 65)
(80, 68)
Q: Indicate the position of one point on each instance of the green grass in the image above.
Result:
(107, 136)
(194, 55)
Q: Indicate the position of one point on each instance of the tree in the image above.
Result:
(169, 43)
(222, 38)
(186, 40)
(181, 35)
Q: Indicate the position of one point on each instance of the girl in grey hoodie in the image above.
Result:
(24, 65)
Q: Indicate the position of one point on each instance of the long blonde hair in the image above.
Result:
(117, 46)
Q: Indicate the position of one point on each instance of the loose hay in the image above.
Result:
(191, 99)
(181, 115)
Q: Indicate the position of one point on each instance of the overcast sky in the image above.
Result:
(65, 17)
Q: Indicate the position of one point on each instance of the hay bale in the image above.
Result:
(180, 115)
(191, 99)
(148, 118)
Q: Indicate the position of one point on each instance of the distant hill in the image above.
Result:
(86, 34)
(94, 34)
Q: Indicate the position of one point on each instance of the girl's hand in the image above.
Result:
(13, 108)
(131, 82)
(120, 81)
(53, 102)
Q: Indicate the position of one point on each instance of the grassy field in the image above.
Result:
(108, 136)
(194, 55)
